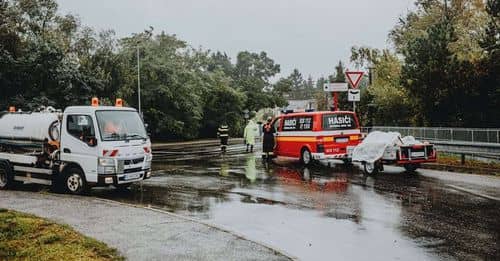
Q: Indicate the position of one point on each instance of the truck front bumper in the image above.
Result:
(122, 178)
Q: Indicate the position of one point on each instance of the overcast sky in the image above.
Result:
(311, 35)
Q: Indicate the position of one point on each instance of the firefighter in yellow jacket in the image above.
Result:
(249, 135)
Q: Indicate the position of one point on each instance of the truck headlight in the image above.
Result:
(104, 162)
(106, 166)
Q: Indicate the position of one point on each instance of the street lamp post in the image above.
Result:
(138, 81)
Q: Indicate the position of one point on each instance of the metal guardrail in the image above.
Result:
(473, 135)
(483, 143)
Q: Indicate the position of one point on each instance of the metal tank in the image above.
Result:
(25, 128)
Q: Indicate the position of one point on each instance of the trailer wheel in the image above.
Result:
(74, 182)
(410, 167)
(370, 168)
(6, 178)
(305, 157)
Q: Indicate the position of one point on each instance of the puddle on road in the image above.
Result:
(321, 213)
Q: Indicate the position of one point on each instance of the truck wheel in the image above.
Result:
(74, 182)
(305, 157)
(5, 176)
(410, 167)
(370, 168)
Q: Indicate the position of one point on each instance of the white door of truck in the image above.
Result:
(78, 143)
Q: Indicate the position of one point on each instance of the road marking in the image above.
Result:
(472, 192)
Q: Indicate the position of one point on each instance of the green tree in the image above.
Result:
(38, 58)
(282, 90)
(320, 95)
(222, 104)
(171, 92)
(430, 67)
(444, 55)
(251, 75)
(488, 99)
(221, 61)
(385, 102)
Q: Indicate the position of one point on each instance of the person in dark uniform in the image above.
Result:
(223, 134)
(268, 140)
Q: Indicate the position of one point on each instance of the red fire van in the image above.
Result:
(321, 135)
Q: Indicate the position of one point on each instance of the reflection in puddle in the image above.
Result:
(250, 169)
(313, 212)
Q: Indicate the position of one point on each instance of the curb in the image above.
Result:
(208, 224)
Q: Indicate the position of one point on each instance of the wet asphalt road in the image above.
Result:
(321, 213)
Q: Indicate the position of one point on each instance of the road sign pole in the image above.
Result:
(354, 79)
(336, 101)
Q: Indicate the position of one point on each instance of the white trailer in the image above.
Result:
(379, 148)
(82, 147)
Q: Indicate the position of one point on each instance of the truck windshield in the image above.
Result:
(339, 121)
(120, 125)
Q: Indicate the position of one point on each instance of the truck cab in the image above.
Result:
(94, 146)
(109, 144)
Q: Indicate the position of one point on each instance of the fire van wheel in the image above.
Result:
(74, 182)
(305, 157)
(410, 167)
(370, 168)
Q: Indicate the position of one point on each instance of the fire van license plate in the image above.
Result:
(341, 140)
(418, 154)
(132, 176)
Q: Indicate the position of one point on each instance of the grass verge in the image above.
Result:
(27, 237)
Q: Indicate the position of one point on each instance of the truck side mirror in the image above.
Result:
(92, 142)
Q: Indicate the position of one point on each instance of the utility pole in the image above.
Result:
(138, 81)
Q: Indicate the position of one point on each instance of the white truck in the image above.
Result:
(82, 147)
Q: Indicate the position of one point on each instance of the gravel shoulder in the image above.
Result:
(139, 233)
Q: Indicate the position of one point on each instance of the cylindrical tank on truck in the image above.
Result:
(29, 128)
